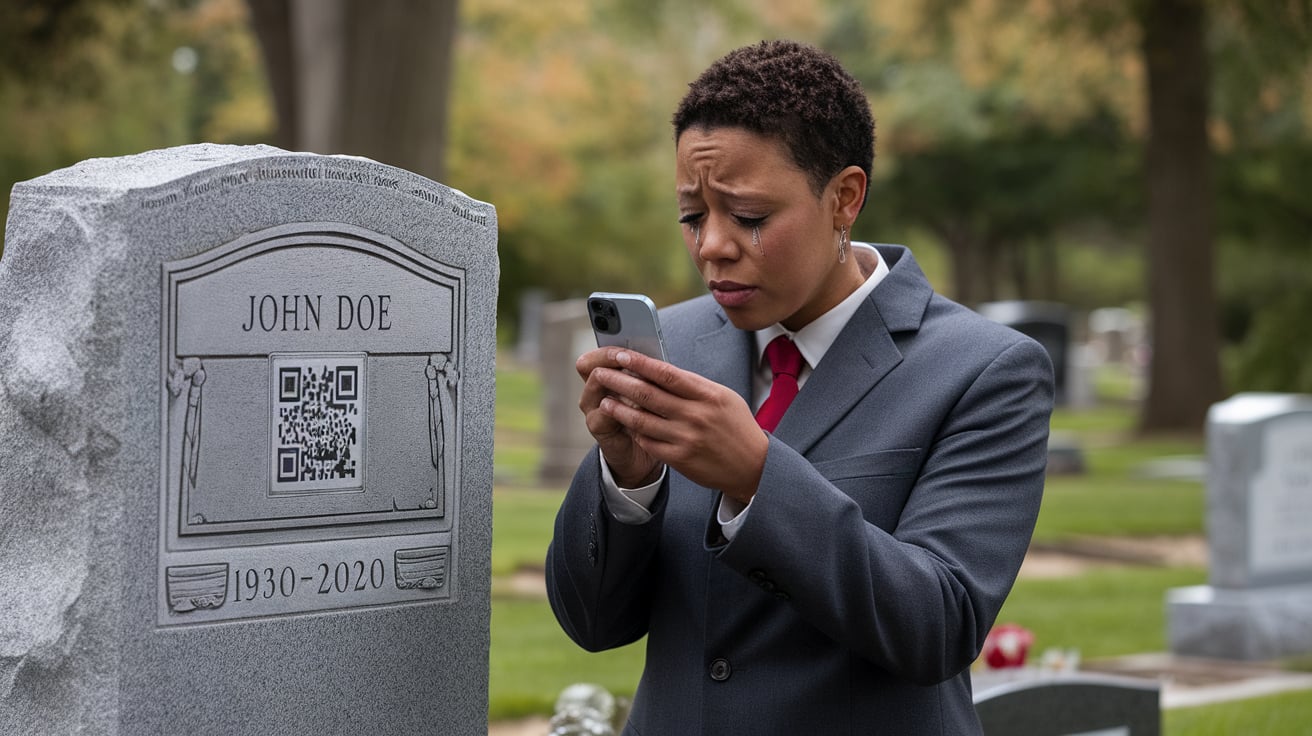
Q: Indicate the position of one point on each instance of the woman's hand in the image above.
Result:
(644, 412)
(630, 465)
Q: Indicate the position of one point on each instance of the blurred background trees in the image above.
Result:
(1146, 153)
(361, 76)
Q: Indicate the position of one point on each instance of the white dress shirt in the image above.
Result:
(630, 505)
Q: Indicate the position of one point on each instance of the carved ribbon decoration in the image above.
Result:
(443, 377)
(189, 373)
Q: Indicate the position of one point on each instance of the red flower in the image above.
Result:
(1006, 646)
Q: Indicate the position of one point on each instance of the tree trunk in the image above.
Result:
(272, 20)
(359, 77)
(1184, 377)
(964, 255)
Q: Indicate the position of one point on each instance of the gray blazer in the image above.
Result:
(898, 499)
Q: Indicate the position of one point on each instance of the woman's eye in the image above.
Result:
(746, 221)
(690, 219)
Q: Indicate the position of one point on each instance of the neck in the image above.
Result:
(866, 260)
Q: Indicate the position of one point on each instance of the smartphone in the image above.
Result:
(627, 321)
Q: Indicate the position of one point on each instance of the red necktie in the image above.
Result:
(786, 363)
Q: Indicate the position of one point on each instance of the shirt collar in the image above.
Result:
(815, 339)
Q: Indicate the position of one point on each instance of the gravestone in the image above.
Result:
(566, 334)
(246, 403)
(1071, 705)
(528, 344)
(1081, 372)
(1047, 323)
(1115, 333)
(1258, 603)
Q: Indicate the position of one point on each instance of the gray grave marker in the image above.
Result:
(1258, 604)
(566, 334)
(1048, 323)
(1071, 705)
(247, 401)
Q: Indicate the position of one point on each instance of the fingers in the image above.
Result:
(640, 422)
(647, 401)
(591, 360)
(605, 381)
(644, 411)
(716, 444)
(653, 415)
(668, 377)
(630, 465)
(665, 375)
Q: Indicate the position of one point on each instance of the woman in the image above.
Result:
(837, 569)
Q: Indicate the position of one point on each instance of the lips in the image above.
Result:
(731, 293)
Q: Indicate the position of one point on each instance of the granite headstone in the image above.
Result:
(1071, 705)
(246, 402)
(1258, 603)
(1048, 323)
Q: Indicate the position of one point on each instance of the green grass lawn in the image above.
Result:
(532, 661)
(521, 527)
(1114, 498)
(1113, 507)
(1104, 612)
(518, 448)
(1287, 714)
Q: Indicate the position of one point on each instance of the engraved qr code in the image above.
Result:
(318, 423)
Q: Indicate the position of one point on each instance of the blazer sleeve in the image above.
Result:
(599, 570)
(918, 599)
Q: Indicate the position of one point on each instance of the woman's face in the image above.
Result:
(765, 244)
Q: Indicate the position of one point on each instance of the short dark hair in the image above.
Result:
(790, 91)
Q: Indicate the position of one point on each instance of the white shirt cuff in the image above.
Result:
(628, 505)
(731, 514)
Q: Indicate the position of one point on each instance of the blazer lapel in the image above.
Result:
(724, 355)
(863, 353)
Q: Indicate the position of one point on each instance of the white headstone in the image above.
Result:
(1259, 524)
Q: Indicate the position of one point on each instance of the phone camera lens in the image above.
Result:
(601, 323)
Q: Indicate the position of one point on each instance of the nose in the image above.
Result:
(717, 240)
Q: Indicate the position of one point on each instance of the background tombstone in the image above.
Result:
(1116, 333)
(566, 334)
(246, 402)
(1071, 705)
(528, 343)
(1259, 527)
(1048, 324)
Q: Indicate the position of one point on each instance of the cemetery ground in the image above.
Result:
(1108, 545)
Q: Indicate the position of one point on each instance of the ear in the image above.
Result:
(849, 188)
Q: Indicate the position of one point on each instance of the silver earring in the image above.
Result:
(842, 244)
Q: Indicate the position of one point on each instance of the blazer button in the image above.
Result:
(720, 670)
(756, 576)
